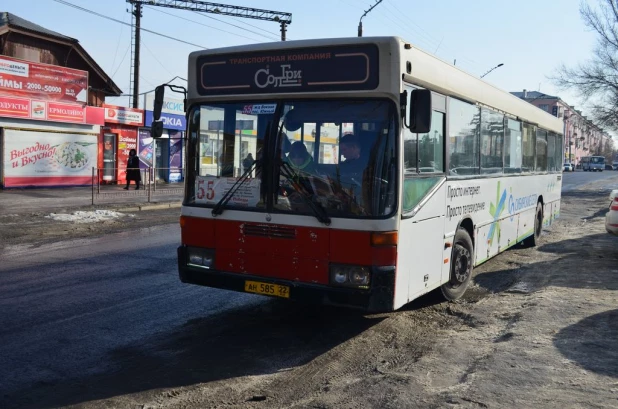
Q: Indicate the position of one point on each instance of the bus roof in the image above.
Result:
(427, 71)
(431, 72)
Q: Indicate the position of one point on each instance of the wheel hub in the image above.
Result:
(462, 264)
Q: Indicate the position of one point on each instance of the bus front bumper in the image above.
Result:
(379, 298)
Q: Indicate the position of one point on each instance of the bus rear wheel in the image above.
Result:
(538, 227)
(461, 266)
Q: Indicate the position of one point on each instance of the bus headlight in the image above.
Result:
(200, 257)
(350, 276)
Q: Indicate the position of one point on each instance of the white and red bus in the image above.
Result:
(361, 172)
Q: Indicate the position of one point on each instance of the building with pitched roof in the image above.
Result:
(51, 107)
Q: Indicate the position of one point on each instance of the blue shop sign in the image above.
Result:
(170, 121)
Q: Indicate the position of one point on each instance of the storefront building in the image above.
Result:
(116, 139)
(165, 154)
(51, 92)
(48, 134)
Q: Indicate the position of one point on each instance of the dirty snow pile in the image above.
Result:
(87, 217)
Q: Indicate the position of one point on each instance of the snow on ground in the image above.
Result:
(87, 217)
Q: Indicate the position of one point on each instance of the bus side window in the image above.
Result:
(464, 120)
(492, 138)
(512, 147)
(551, 152)
(529, 148)
(558, 152)
(541, 150)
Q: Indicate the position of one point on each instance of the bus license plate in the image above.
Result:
(267, 289)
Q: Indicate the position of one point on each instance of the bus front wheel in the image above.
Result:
(461, 266)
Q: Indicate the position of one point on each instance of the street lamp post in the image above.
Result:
(497, 66)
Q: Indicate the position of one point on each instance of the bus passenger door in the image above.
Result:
(421, 231)
(422, 245)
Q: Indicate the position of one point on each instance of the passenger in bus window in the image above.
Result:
(350, 148)
(303, 170)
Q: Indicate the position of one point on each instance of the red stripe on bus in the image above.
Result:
(198, 232)
(280, 251)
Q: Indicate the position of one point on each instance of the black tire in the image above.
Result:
(538, 227)
(461, 266)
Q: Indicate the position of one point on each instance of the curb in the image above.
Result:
(155, 206)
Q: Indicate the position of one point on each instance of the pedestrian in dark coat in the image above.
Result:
(133, 172)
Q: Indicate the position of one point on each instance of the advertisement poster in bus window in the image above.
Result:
(48, 159)
(340, 68)
(210, 189)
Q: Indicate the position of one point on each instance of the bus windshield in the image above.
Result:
(597, 159)
(336, 156)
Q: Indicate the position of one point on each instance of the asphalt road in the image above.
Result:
(74, 309)
(76, 314)
(573, 180)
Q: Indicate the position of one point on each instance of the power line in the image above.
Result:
(121, 61)
(201, 24)
(259, 28)
(66, 3)
(155, 57)
(234, 25)
(117, 47)
(451, 51)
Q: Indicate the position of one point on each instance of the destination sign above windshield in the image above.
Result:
(342, 68)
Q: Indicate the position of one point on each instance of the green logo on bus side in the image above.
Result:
(496, 211)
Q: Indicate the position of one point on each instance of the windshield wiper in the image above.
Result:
(318, 210)
(218, 208)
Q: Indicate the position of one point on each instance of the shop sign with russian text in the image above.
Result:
(46, 82)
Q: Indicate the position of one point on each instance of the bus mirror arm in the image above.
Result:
(156, 128)
(420, 111)
(159, 96)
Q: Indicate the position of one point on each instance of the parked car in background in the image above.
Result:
(611, 218)
(608, 167)
(568, 167)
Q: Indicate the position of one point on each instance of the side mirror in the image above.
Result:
(158, 103)
(420, 111)
(156, 129)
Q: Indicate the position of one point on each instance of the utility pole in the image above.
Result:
(137, 14)
(360, 22)
(281, 17)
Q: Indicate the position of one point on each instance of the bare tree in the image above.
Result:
(596, 80)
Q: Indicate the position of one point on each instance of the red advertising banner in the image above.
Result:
(50, 111)
(66, 112)
(15, 107)
(125, 116)
(45, 82)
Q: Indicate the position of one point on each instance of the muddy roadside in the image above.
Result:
(40, 227)
(539, 328)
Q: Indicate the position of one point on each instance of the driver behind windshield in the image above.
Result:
(300, 161)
